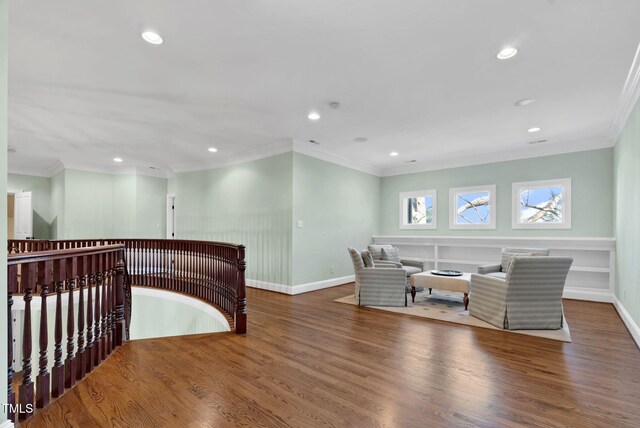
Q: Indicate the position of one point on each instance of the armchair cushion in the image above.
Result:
(376, 250)
(391, 254)
(367, 259)
(501, 275)
(410, 270)
(417, 263)
(487, 269)
(385, 263)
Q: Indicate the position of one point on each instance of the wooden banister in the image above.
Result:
(55, 274)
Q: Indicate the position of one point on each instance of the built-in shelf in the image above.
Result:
(592, 270)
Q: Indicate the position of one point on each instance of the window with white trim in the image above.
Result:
(542, 204)
(418, 209)
(472, 207)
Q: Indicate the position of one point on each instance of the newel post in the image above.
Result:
(120, 330)
(241, 294)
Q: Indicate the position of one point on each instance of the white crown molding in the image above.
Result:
(306, 149)
(527, 152)
(52, 170)
(268, 150)
(628, 99)
(124, 170)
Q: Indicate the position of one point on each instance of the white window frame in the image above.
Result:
(453, 196)
(515, 201)
(419, 193)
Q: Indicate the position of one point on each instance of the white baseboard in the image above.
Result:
(631, 325)
(319, 285)
(300, 288)
(270, 286)
(588, 294)
(7, 424)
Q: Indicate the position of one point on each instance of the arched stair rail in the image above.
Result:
(211, 271)
(105, 269)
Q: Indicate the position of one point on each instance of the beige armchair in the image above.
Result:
(377, 286)
(528, 298)
(410, 265)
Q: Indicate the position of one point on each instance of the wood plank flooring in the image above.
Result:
(307, 361)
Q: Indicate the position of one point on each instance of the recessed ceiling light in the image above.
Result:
(524, 102)
(117, 160)
(313, 116)
(153, 38)
(393, 154)
(212, 149)
(507, 53)
(360, 139)
(534, 129)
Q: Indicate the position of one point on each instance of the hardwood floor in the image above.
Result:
(307, 361)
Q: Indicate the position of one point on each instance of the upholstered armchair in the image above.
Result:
(499, 270)
(528, 298)
(409, 264)
(377, 286)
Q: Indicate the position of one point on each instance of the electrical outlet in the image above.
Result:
(300, 224)
(331, 269)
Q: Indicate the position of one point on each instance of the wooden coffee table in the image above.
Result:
(459, 284)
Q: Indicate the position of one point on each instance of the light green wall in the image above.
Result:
(4, 30)
(339, 208)
(40, 188)
(88, 205)
(57, 205)
(627, 207)
(151, 207)
(123, 205)
(592, 197)
(246, 204)
(95, 205)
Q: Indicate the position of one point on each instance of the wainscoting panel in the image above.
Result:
(591, 276)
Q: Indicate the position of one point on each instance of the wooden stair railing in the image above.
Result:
(93, 271)
(211, 271)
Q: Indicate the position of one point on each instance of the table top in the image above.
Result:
(466, 276)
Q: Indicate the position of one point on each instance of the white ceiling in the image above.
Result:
(418, 77)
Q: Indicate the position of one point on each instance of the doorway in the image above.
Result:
(10, 215)
(171, 216)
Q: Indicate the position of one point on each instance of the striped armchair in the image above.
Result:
(529, 298)
(377, 286)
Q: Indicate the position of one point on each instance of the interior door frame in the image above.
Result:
(171, 216)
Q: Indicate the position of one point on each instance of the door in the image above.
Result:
(23, 216)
